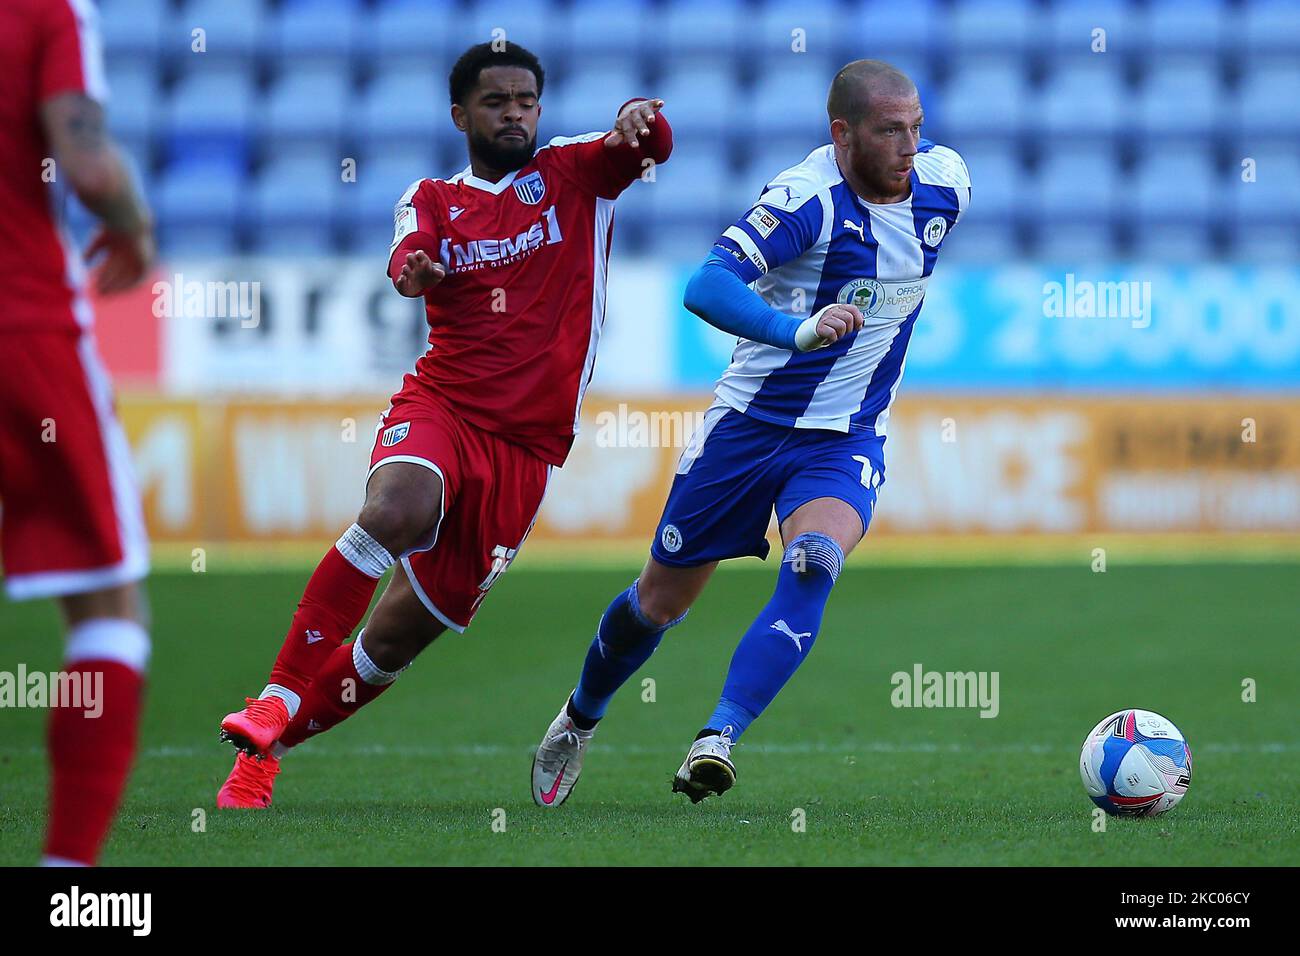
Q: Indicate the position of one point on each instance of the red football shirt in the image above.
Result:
(513, 328)
(47, 47)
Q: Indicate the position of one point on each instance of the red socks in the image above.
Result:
(91, 746)
(348, 681)
(336, 599)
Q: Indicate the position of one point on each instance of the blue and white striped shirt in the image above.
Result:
(811, 241)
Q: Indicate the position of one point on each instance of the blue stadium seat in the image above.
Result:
(198, 205)
(1006, 26)
(1269, 26)
(1001, 189)
(291, 205)
(587, 100)
(538, 25)
(1190, 26)
(133, 104)
(1079, 183)
(308, 106)
(1085, 98)
(980, 241)
(791, 101)
(694, 186)
(963, 107)
(402, 107)
(410, 30)
(1274, 197)
(232, 29)
(820, 20)
(598, 27)
(1266, 101)
(876, 29)
(713, 29)
(133, 27)
(1175, 184)
(1180, 97)
(325, 28)
(1069, 27)
(209, 116)
(700, 100)
(1073, 244)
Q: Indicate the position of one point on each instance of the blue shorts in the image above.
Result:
(736, 469)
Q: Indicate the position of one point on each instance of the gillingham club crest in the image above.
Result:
(530, 189)
(392, 436)
(867, 294)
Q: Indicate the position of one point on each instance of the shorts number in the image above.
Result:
(869, 478)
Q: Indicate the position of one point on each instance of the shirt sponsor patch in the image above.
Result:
(404, 222)
(762, 221)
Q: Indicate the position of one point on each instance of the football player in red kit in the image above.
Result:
(71, 527)
(510, 257)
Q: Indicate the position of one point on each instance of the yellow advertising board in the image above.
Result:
(260, 471)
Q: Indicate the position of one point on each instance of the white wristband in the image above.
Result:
(806, 338)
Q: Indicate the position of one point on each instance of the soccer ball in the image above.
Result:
(1135, 763)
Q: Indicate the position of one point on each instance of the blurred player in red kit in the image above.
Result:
(71, 527)
(510, 257)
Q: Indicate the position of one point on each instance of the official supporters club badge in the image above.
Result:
(530, 189)
(867, 294)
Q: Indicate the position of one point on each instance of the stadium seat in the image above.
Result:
(308, 106)
(687, 27)
(232, 31)
(539, 26)
(1266, 100)
(1001, 189)
(198, 205)
(1180, 97)
(820, 20)
(209, 115)
(401, 107)
(790, 101)
(133, 28)
(291, 205)
(980, 240)
(1004, 26)
(133, 102)
(875, 29)
(1076, 183)
(598, 27)
(1192, 26)
(963, 106)
(1069, 27)
(1085, 98)
(1175, 184)
(325, 28)
(1274, 196)
(699, 100)
(587, 100)
(412, 31)
(694, 186)
(1268, 27)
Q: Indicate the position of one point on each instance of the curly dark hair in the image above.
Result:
(465, 74)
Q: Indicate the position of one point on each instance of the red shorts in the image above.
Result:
(70, 519)
(491, 492)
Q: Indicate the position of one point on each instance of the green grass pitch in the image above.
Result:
(421, 776)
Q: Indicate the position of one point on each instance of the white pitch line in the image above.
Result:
(636, 750)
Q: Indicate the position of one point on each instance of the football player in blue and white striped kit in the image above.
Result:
(822, 280)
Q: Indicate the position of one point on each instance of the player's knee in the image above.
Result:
(396, 522)
(660, 606)
(814, 553)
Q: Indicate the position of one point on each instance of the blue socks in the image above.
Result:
(782, 634)
(624, 641)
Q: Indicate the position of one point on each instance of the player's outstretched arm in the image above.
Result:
(415, 273)
(720, 297)
(635, 122)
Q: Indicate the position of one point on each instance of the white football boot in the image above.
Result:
(558, 760)
(707, 768)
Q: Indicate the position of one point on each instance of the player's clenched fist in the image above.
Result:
(634, 120)
(827, 326)
(419, 274)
